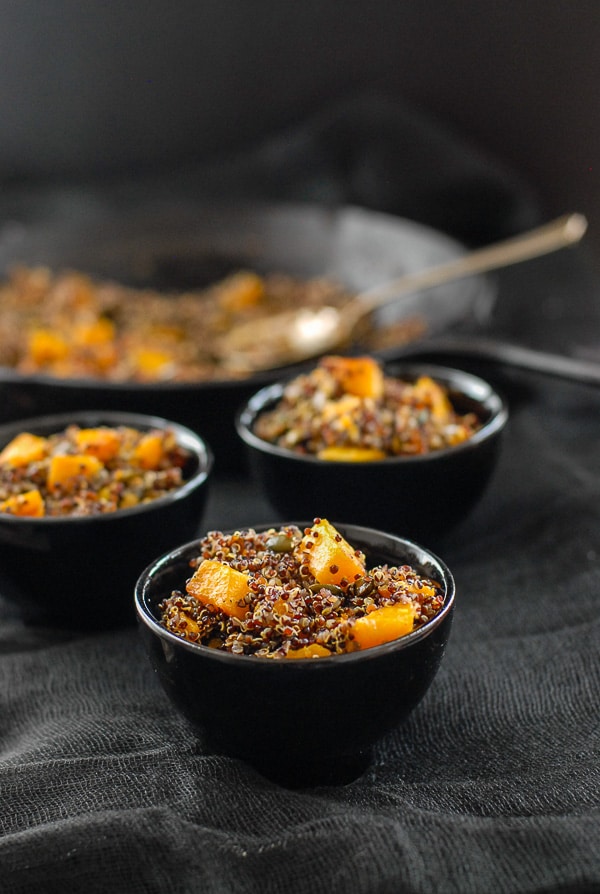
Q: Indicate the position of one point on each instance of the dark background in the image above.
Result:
(94, 88)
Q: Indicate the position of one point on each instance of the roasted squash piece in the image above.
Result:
(152, 362)
(24, 449)
(351, 454)
(104, 443)
(329, 557)
(64, 470)
(362, 376)
(241, 290)
(45, 346)
(149, 452)
(30, 504)
(383, 625)
(312, 651)
(221, 586)
(433, 395)
(99, 332)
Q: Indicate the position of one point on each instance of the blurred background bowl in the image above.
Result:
(418, 497)
(298, 722)
(79, 572)
(172, 247)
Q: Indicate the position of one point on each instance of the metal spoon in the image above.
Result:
(298, 335)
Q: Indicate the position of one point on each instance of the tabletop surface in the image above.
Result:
(492, 784)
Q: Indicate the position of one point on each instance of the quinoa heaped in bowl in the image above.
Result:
(89, 471)
(347, 408)
(291, 593)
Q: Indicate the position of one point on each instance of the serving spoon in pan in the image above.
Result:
(301, 334)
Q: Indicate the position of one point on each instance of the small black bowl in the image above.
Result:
(306, 722)
(79, 572)
(420, 497)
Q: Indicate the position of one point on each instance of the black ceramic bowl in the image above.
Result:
(80, 572)
(420, 497)
(298, 722)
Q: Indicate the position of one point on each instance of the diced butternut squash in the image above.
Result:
(312, 651)
(217, 584)
(64, 470)
(280, 607)
(149, 452)
(152, 362)
(433, 395)
(188, 624)
(24, 449)
(362, 376)
(242, 290)
(104, 443)
(29, 504)
(351, 454)
(383, 625)
(426, 591)
(45, 346)
(98, 332)
(329, 556)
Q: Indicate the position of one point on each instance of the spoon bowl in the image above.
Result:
(298, 335)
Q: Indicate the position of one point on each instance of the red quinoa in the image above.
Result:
(286, 608)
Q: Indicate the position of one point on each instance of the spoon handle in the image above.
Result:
(559, 233)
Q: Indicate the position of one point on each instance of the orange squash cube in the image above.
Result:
(434, 396)
(149, 451)
(362, 376)
(329, 556)
(383, 625)
(64, 470)
(218, 584)
(312, 651)
(241, 290)
(45, 346)
(104, 443)
(99, 332)
(151, 363)
(351, 454)
(29, 504)
(24, 449)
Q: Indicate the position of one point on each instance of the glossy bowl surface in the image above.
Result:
(304, 722)
(419, 497)
(80, 572)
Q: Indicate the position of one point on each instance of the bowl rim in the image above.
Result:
(187, 438)
(427, 556)
(481, 391)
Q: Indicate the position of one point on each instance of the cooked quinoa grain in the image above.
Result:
(291, 593)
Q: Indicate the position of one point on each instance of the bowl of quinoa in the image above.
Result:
(296, 646)
(86, 500)
(409, 447)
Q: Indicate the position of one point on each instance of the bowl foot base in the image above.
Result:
(339, 770)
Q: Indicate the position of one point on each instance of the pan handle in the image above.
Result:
(513, 355)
